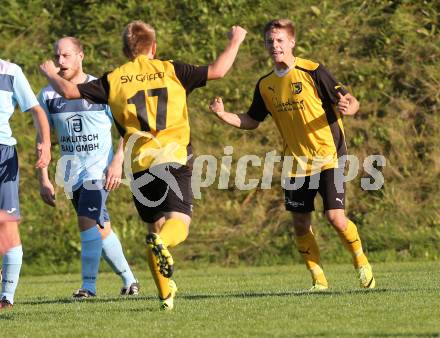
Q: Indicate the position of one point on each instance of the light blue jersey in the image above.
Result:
(84, 135)
(14, 88)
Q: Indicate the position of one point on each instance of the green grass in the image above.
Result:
(245, 301)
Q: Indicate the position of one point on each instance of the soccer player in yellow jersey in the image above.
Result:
(148, 100)
(306, 104)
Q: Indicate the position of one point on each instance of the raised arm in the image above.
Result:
(63, 87)
(241, 121)
(224, 61)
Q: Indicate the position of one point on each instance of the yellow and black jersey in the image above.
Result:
(148, 102)
(302, 104)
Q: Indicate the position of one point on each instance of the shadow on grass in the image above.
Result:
(303, 293)
(83, 301)
(45, 282)
(228, 295)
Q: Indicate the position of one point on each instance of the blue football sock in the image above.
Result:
(11, 271)
(91, 247)
(114, 256)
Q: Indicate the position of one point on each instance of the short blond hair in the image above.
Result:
(285, 24)
(137, 39)
(75, 42)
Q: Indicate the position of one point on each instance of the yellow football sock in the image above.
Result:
(309, 250)
(162, 283)
(318, 276)
(173, 232)
(352, 242)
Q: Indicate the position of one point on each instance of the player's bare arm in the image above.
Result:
(224, 61)
(114, 170)
(241, 121)
(47, 191)
(347, 104)
(63, 87)
(43, 143)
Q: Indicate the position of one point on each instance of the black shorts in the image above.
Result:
(300, 195)
(162, 188)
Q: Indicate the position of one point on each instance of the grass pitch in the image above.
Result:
(235, 302)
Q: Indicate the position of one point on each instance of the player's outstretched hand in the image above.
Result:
(43, 155)
(237, 34)
(47, 193)
(48, 68)
(217, 106)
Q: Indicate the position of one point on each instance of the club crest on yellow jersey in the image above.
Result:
(296, 87)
